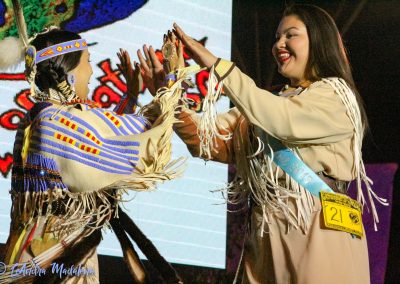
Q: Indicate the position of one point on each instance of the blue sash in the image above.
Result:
(293, 166)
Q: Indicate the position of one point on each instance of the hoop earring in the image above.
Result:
(71, 80)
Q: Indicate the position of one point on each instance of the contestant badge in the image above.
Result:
(342, 213)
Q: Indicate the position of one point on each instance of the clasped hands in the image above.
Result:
(151, 71)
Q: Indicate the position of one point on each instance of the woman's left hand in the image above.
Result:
(134, 81)
(196, 50)
(172, 51)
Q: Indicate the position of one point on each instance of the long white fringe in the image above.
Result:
(208, 129)
(258, 175)
(349, 100)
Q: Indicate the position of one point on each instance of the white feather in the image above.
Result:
(11, 52)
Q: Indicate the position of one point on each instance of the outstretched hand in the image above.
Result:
(132, 76)
(151, 69)
(198, 52)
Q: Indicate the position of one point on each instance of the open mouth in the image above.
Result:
(283, 56)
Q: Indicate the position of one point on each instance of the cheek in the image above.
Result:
(82, 88)
(81, 84)
(90, 72)
(90, 69)
(305, 48)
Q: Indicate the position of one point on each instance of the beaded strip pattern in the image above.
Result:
(59, 49)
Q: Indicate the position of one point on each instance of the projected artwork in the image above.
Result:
(75, 16)
(183, 218)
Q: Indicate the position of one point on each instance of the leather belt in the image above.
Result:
(337, 185)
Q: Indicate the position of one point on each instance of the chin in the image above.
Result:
(82, 96)
(283, 73)
(286, 74)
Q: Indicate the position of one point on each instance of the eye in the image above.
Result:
(290, 35)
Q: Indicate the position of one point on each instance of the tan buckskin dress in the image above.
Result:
(314, 124)
(72, 163)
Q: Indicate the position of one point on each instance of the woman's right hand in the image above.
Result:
(197, 51)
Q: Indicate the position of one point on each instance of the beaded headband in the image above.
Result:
(33, 57)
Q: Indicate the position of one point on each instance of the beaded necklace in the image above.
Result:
(285, 93)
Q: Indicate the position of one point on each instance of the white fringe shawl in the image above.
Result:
(259, 175)
(348, 98)
(209, 125)
(256, 172)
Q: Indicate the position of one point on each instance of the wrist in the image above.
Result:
(212, 62)
(170, 79)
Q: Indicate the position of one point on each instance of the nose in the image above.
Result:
(280, 42)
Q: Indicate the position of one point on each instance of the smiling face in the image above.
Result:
(291, 49)
(82, 74)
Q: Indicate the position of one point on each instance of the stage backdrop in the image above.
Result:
(186, 222)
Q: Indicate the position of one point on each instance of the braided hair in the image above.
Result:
(52, 73)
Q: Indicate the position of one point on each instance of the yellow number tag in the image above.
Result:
(342, 213)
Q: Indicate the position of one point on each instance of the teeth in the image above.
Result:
(284, 55)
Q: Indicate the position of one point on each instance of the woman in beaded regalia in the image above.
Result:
(74, 160)
(289, 149)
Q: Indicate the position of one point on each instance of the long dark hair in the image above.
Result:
(327, 54)
(53, 71)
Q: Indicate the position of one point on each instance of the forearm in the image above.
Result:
(127, 105)
(187, 130)
(315, 116)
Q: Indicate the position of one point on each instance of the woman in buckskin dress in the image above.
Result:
(73, 161)
(320, 119)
